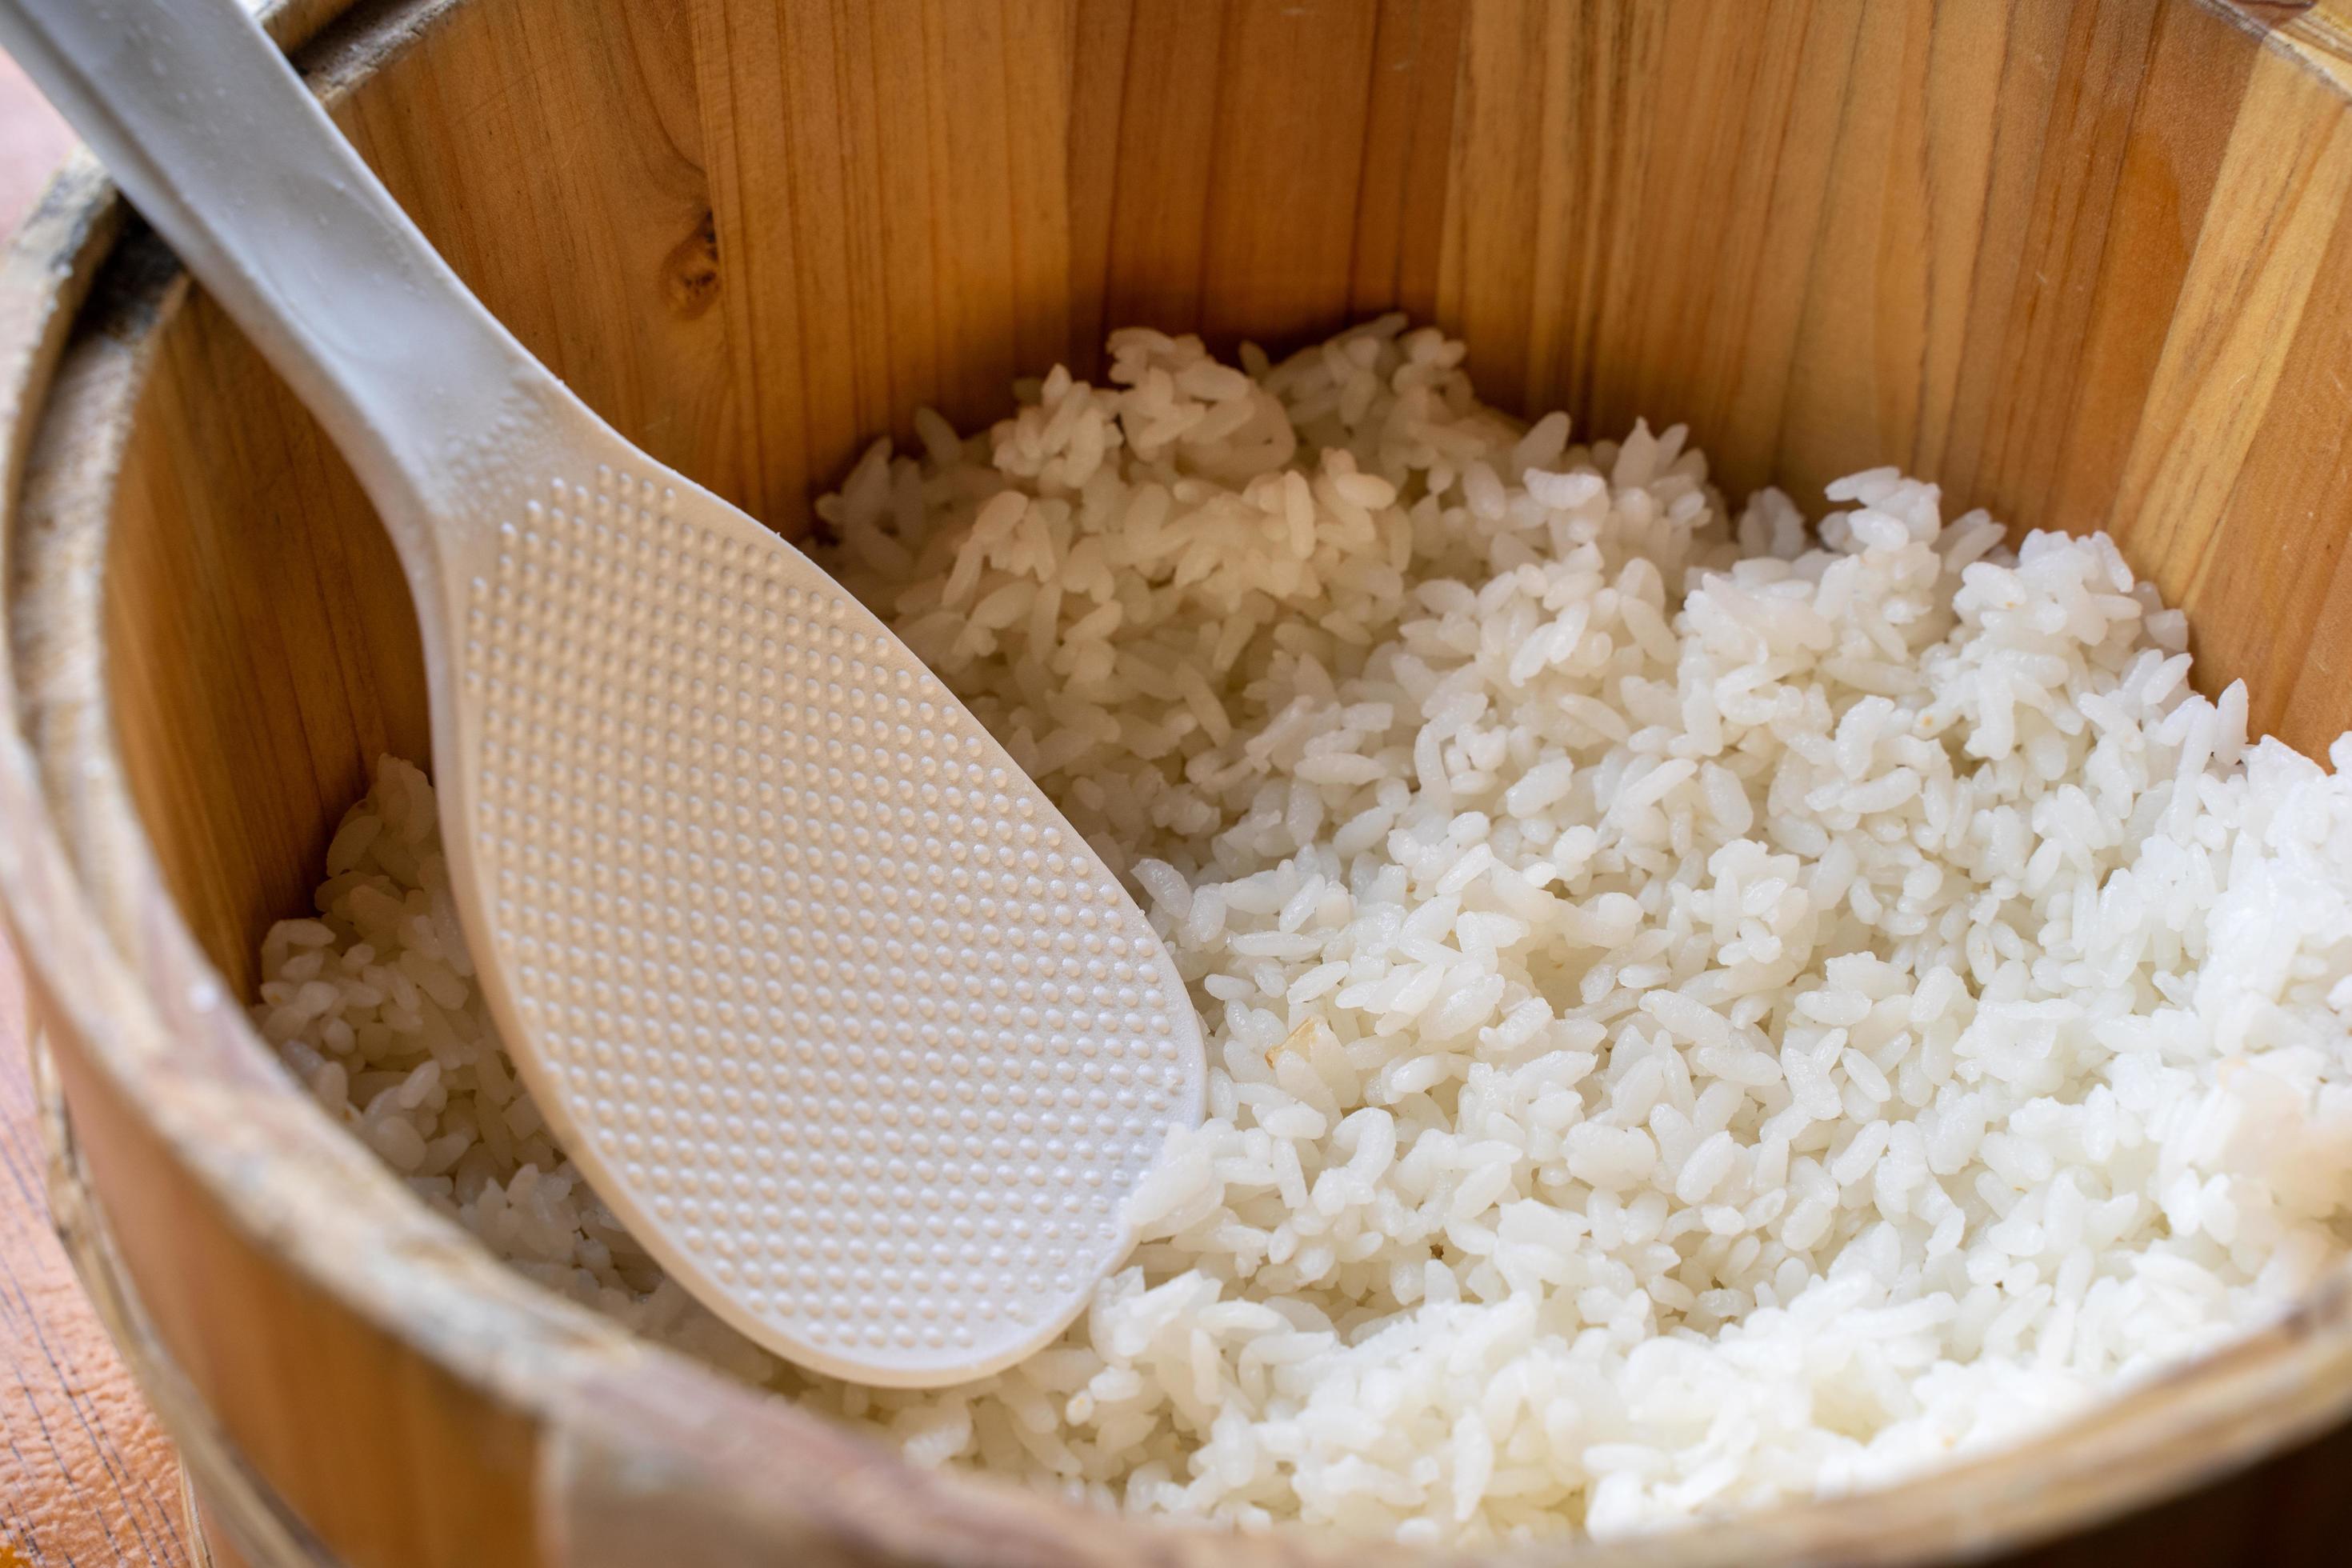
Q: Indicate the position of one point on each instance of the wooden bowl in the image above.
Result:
(2087, 264)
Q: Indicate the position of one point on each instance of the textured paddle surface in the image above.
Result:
(839, 1013)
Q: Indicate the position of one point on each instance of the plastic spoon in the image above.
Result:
(840, 1016)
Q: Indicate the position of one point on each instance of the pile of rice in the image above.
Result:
(1700, 1011)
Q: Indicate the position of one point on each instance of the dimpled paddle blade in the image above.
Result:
(837, 1012)
(843, 1018)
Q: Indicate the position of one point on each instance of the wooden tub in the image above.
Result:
(2088, 264)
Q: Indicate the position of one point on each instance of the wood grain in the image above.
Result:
(2088, 262)
(86, 1474)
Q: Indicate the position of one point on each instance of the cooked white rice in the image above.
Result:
(1699, 1012)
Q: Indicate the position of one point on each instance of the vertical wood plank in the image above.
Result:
(1100, 38)
(589, 233)
(919, 344)
(891, 185)
(969, 111)
(1408, 132)
(1873, 373)
(843, 169)
(1734, 197)
(834, 393)
(2234, 324)
(1486, 270)
(742, 101)
(286, 591)
(1289, 149)
(2272, 601)
(1040, 65)
(2070, 76)
(2194, 89)
(1167, 147)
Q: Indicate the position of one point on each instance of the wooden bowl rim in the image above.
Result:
(108, 950)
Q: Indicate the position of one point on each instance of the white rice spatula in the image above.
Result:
(844, 1020)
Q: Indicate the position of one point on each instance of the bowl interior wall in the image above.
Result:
(2015, 249)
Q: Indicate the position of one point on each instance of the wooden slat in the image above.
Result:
(917, 201)
(589, 229)
(2170, 172)
(309, 605)
(1278, 221)
(1168, 105)
(2241, 304)
(1408, 141)
(2296, 480)
(1877, 363)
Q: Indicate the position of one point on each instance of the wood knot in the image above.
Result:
(690, 271)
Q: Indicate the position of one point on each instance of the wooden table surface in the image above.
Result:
(86, 1478)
